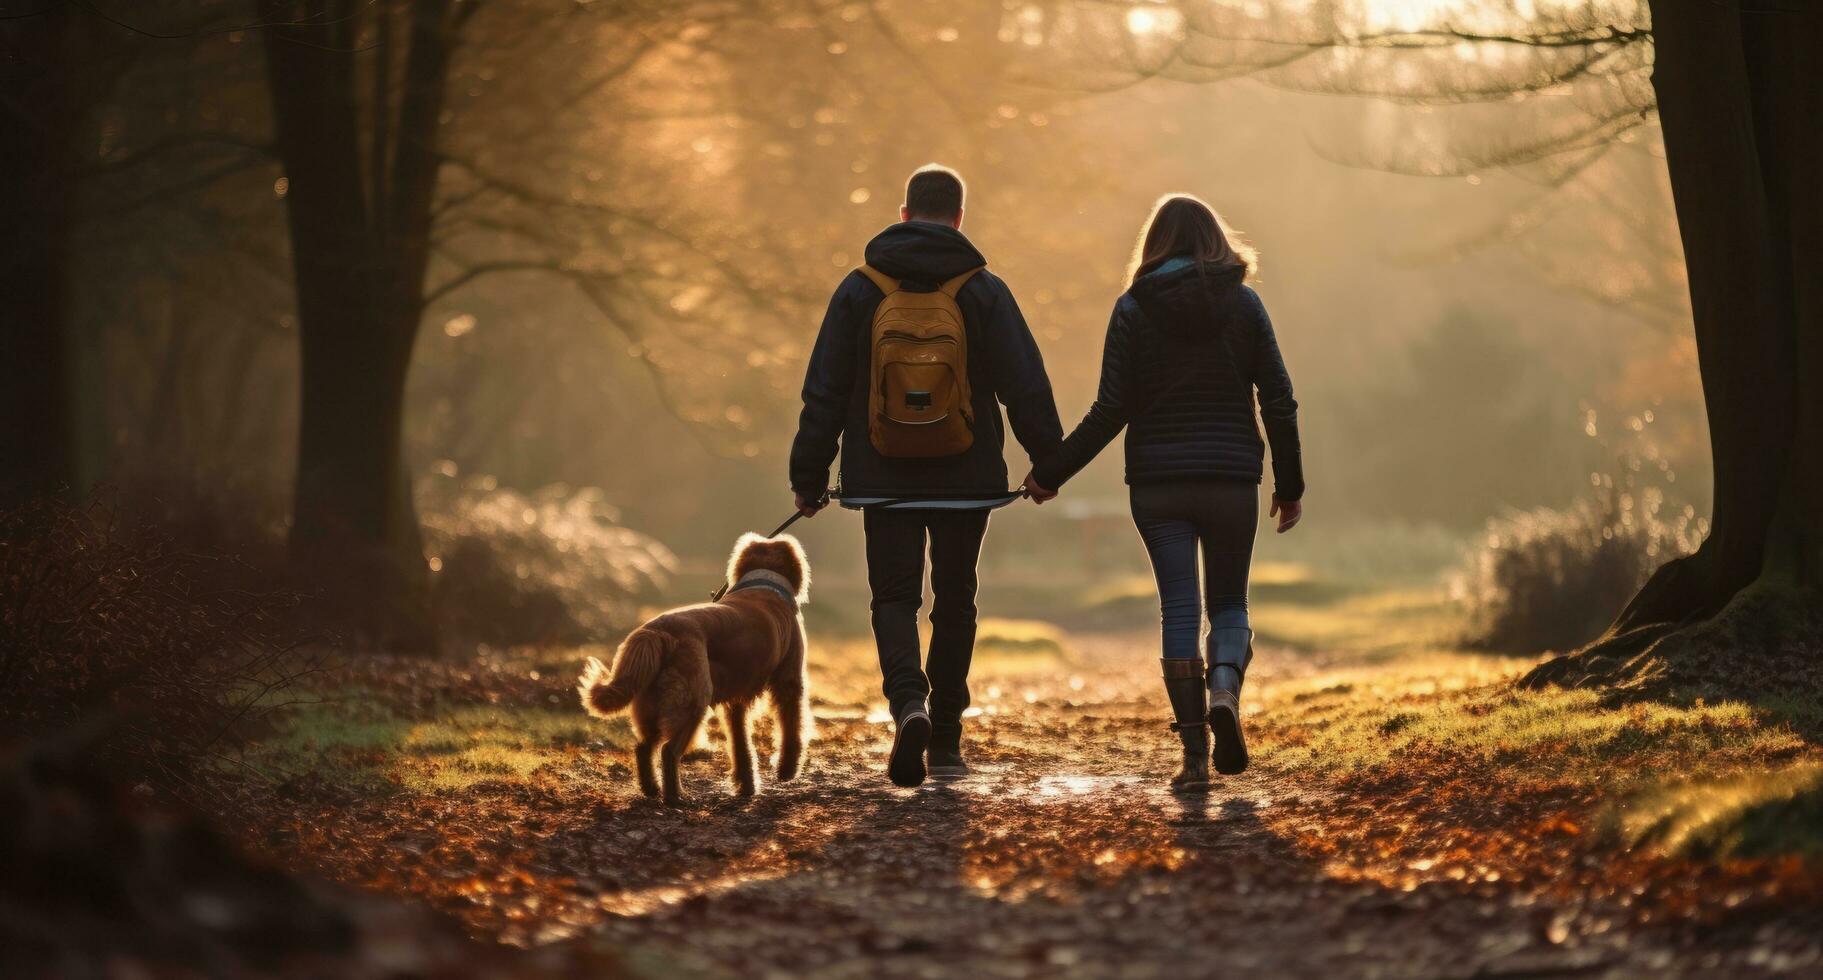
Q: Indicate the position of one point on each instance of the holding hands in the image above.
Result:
(1038, 493)
(1288, 512)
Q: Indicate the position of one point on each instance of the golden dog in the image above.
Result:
(675, 666)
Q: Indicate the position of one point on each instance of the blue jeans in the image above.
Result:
(1174, 520)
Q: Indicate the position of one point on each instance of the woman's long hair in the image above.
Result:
(1182, 224)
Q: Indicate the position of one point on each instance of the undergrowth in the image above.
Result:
(553, 566)
(1553, 579)
(156, 658)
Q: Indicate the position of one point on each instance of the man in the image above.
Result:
(939, 500)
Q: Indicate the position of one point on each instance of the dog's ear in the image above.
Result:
(737, 564)
(797, 565)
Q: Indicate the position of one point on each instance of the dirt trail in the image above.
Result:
(1062, 853)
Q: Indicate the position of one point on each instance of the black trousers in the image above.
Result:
(896, 542)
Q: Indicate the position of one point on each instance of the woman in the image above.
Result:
(1188, 345)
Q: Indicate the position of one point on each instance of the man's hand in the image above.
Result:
(1287, 511)
(809, 507)
(1038, 494)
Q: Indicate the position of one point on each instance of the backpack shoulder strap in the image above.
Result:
(887, 284)
(954, 286)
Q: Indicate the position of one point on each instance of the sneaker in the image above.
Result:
(905, 767)
(945, 753)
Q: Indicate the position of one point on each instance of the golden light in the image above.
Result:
(1154, 20)
(1405, 15)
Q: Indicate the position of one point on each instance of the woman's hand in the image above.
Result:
(1038, 494)
(1287, 511)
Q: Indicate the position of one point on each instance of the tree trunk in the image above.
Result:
(36, 439)
(360, 248)
(1738, 102)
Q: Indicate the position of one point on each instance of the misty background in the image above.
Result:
(639, 221)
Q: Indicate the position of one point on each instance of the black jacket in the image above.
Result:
(1003, 366)
(1187, 346)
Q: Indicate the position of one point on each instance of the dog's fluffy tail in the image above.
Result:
(605, 692)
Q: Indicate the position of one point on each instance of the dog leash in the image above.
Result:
(994, 502)
(886, 503)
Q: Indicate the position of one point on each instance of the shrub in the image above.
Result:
(106, 625)
(1550, 579)
(552, 566)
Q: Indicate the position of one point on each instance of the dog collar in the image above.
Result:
(761, 578)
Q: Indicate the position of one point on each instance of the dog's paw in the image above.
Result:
(788, 765)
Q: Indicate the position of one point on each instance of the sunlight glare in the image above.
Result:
(1154, 20)
(1405, 15)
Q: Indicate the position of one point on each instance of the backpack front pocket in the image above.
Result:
(920, 411)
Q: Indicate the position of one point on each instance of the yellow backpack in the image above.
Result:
(920, 404)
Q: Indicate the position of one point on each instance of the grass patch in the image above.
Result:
(343, 740)
(358, 743)
(1011, 643)
(1436, 743)
(473, 745)
(1755, 814)
(1706, 780)
(1465, 707)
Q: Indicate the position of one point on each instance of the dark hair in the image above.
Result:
(934, 193)
(1181, 224)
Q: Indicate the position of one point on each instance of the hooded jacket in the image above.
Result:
(1004, 367)
(1187, 347)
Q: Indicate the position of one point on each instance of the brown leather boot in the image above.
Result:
(1189, 704)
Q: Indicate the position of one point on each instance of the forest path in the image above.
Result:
(1063, 853)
